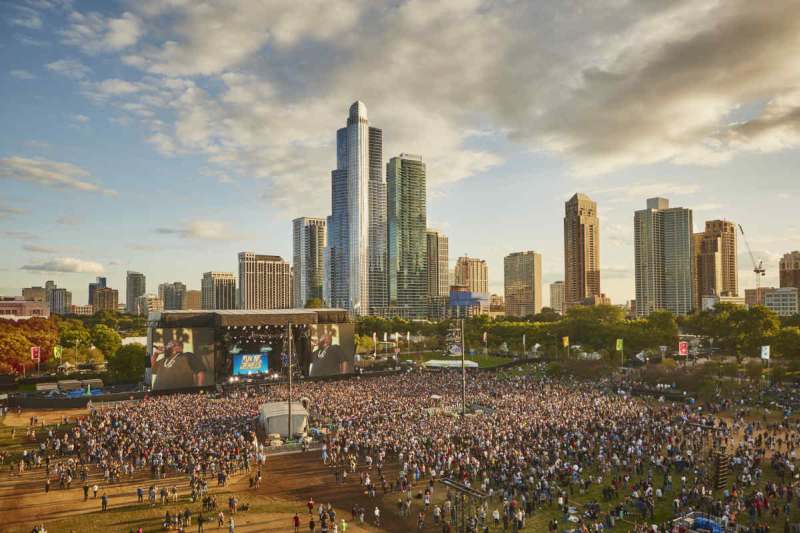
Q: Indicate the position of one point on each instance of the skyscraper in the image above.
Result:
(100, 283)
(105, 299)
(173, 295)
(557, 296)
(407, 271)
(522, 281)
(218, 290)
(472, 273)
(715, 261)
(59, 301)
(309, 239)
(135, 286)
(147, 303)
(581, 250)
(265, 282)
(789, 268)
(192, 299)
(438, 264)
(357, 228)
(663, 255)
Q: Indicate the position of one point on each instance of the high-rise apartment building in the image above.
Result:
(100, 283)
(105, 299)
(193, 300)
(581, 250)
(407, 250)
(265, 282)
(784, 301)
(218, 290)
(756, 296)
(147, 303)
(715, 261)
(664, 260)
(59, 301)
(356, 254)
(523, 283)
(557, 296)
(438, 264)
(789, 269)
(173, 295)
(473, 274)
(135, 286)
(309, 237)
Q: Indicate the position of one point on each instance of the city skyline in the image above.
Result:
(101, 122)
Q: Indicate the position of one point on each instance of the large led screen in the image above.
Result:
(331, 350)
(246, 363)
(181, 358)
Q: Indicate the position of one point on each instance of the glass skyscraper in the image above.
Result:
(407, 241)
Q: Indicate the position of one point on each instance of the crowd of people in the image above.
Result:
(532, 445)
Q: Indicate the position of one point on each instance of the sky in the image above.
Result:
(165, 136)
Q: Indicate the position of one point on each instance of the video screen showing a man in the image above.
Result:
(180, 359)
(328, 356)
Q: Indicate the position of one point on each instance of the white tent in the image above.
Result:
(273, 417)
(441, 363)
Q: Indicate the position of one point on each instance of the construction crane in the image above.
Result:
(758, 268)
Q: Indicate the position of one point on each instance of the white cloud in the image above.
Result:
(201, 229)
(21, 74)
(94, 33)
(7, 211)
(114, 87)
(66, 264)
(79, 119)
(37, 249)
(50, 174)
(71, 68)
(639, 191)
(26, 17)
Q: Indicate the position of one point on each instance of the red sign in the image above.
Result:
(683, 348)
(35, 353)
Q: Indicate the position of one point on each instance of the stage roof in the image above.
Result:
(247, 317)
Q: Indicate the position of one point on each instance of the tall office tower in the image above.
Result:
(715, 261)
(99, 284)
(265, 282)
(357, 228)
(789, 267)
(663, 256)
(309, 239)
(557, 296)
(35, 294)
(105, 299)
(59, 301)
(581, 250)
(522, 279)
(135, 286)
(438, 264)
(472, 273)
(219, 290)
(407, 271)
(192, 300)
(173, 295)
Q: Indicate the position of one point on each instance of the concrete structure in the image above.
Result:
(173, 295)
(82, 310)
(99, 283)
(784, 301)
(438, 262)
(193, 300)
(715, 262)
(309, 237)
(473, 274)
(35, 294)
(273, 418)
(557, 296)
(664, 259)
(756, 296)
(407, 247)
(58, 300)
(581, 250)
(218, 290)
(356, 252)
(265, 282)
(522, 282)
(105, 299)
(148, 303)
(22, 309)
(135, 286)
(789, 269)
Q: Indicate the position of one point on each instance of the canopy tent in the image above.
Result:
(441, 363)
(273, 417)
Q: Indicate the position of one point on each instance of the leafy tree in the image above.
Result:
(73, 333)
(754, 369)
(315, 303)
(126, 365)
(14, 348)
(787, 342)
(106, 339)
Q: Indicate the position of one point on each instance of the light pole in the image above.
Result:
(289, 327)
(463, 373)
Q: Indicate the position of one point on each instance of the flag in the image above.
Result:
(565, 341)
(385, 334)
(484, 337)
(408, 337)
(619, 345)
(57, 351)
(374, 337)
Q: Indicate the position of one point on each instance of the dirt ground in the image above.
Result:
(288, 481)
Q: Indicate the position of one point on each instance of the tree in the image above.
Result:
(106, 339)
(787, 342)
(14, 349)
(315, 303)
(126, 365)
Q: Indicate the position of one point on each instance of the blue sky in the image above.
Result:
(165, 136)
